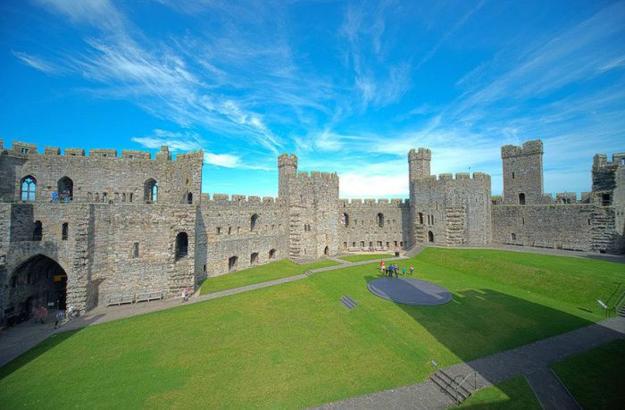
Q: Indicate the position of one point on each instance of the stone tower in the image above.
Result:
(523, 173)
(419, 163)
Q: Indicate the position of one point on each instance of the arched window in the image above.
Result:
(421, 218)
(254, 258)
(65, 188)
(190, 198)
(150, 191)
(346, 219)
(272, 254)
(522, 198)
(64, 231)
(380, 219)
(28, 188)
(37, 231)
(253, 221)
(182, 245)
(430, 236)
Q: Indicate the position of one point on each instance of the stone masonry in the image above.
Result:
(79, 229)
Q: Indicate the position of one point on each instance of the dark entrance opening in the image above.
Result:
(430, 236)
(326, 251)
(39, 281)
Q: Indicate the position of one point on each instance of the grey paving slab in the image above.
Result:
(409, 291)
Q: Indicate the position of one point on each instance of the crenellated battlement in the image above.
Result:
(420, 153)
(25, 150)
(534, 147)
(458, 177)
(370, 202)
(316, 176)
(287, 160)
(601, 160)
(240, 200)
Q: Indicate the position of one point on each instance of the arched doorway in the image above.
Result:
(430, 236)
(326, 251)
(38, 281)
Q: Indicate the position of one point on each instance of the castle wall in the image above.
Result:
(456, 210)
(224, 231)
(360, 230)
(102, 176)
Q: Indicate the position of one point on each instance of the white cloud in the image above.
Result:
(35, 62)
(362, 185)
(222, 160)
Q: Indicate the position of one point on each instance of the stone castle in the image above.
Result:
(99, 229)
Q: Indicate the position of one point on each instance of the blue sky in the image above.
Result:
(347, 86)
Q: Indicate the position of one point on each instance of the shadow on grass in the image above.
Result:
(479, 323)
(22, 336)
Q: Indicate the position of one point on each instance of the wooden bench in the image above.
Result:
(120, 299)
(148, 296)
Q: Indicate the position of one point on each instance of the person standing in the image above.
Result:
(60, 315)
(411, 270)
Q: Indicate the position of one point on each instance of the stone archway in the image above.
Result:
(38, 281)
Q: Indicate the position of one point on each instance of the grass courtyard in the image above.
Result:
(296, 345)
(263, 273)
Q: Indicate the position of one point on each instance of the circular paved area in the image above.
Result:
(409, 291)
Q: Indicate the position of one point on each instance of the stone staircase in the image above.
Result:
(621, 311)
(448, 385)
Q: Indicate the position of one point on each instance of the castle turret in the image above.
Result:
(523, 173)
(287, 169)
(419, 163)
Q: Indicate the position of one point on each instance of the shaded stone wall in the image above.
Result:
(360, 230)
(224, 231)
(523, 172)
(437, 202)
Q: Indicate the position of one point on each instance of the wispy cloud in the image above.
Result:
(35, 62)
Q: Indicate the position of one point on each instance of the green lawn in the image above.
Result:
(296, 345)
(595, 378)
(366, 257)
(511, 394)
(263, 273)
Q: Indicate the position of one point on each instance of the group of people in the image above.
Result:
(393, 269)
(40, 314)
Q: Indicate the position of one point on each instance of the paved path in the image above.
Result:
(531, 360)
(550, 392)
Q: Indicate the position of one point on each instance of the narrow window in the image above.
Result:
(130, 198)
(190, 198)
(380, 219)
(182, 245)
(253, 221)
(28, 188)
(218, 230)
(395, 243)
(229, 230)
(37, 231)
(513, 236)
(606, 200)
(326, 251)
(512, 174)
(346, 219)
(135, 250)
(522, 220)
(522, 198)
(362, 244)
(64, 231)
(370, 244)
(430, 236)
(150, 191)
(354, 244)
